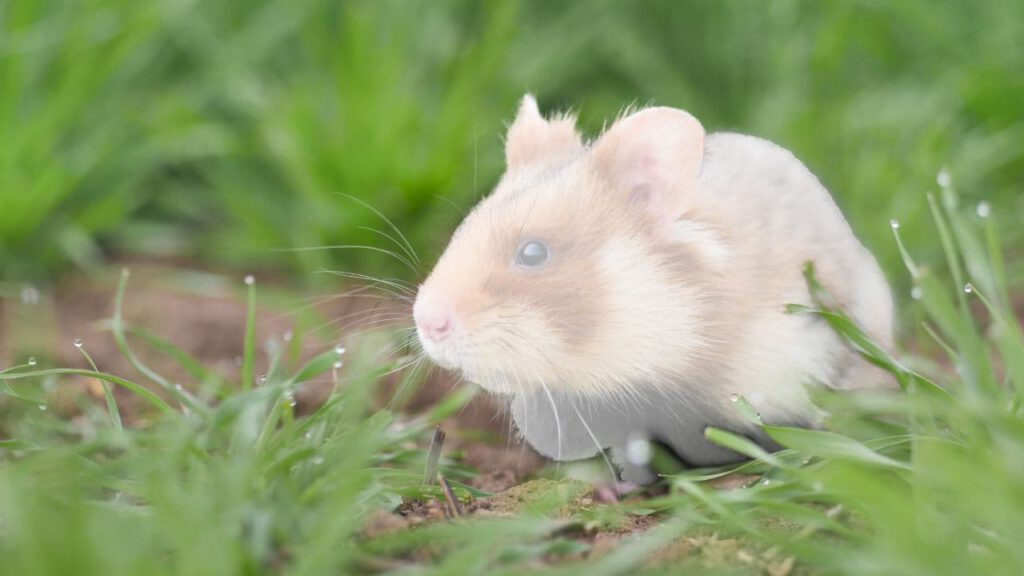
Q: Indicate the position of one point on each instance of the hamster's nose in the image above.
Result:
(433, 318)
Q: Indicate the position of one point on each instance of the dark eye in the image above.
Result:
(532, 253)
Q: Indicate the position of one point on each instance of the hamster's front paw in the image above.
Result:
(640, 474)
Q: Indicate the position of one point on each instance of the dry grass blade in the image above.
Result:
(434, 455)
(452, 507)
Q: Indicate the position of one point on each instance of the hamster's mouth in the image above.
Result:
(442, 355)
(446, 356)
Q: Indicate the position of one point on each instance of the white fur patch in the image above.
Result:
(653, 320)
(704, 239)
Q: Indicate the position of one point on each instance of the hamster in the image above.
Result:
(632, 286)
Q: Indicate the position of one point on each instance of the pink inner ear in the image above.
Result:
(653, 157)
(648, 187)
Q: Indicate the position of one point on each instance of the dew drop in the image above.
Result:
(339, 349)
(262, 379)
(288, 336)
(984, 209)
(31, 360)
(125, 273)
(338, 365)
(943, 178)
(916, 293)
(318, 460)
(79, 343)
(638, 451)
(42, 408)
(179, 387)
(250, 280)
(895, 224)
(308, 435)
(968, 288)
(290, 398)
(29, 295)
(734, 397)
(766, 482)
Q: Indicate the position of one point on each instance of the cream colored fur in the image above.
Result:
(673, 257)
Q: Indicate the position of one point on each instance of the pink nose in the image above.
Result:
(433, 318)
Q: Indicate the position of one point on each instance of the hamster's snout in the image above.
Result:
(434, 318)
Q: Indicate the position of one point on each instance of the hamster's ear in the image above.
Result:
(531, 139)
(653, 157)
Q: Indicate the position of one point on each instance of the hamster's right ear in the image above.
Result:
(531, 139)
(652, 157)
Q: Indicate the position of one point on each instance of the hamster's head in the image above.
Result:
(584, 271)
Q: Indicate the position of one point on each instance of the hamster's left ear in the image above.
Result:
(533, 140)
(653, 157)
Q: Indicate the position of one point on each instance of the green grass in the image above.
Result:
(228, 478)
(233, 132)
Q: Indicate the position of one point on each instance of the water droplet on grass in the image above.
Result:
(29, 295)
(339, 349)
(42, 407)
(288, 336)
(638, 451)
(79, 343)
(968, 288)
(895, 224)
(318, 460)
(916, 293)
(943, 178)
(250, 280)
(308, 435)
(262, 379)
(31, 360)
(179, 387)
(984, 209)
(338, 365)
(734, 397)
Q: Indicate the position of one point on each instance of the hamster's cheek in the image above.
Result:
(515, 350)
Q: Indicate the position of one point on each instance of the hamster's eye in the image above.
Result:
(532, 253)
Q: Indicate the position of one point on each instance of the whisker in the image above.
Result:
(358, 314)
(607, 461)
(391, 239)
(558, 424)
(314, 301)
(408, 246)
(378, 249)
(460, 211)
(399, 289)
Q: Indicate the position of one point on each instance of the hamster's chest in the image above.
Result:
(563, 427)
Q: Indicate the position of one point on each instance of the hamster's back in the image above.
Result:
(775, 216)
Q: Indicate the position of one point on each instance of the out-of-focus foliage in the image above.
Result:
(233, 132)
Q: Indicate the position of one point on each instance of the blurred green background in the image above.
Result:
(230, 133)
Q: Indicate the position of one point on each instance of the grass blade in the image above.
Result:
(249, 351)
